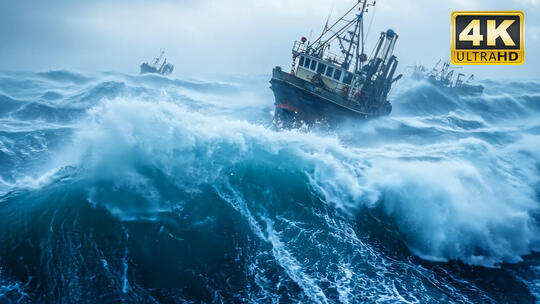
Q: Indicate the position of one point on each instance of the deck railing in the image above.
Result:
(302, 48)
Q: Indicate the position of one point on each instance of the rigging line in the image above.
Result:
(330, 13)
(371, 22)
(339, 32)
(332, 31)
(373, 51)
(320, 37)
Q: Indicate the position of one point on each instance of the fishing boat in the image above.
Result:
(444, 78)
(323, 87)
(158, 66)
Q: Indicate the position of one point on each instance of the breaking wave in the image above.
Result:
(152, 189)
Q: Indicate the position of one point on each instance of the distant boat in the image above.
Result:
(444, 78)
(159, 66)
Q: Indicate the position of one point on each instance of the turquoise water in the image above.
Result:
(124, 188)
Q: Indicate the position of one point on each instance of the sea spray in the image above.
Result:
(219, 207)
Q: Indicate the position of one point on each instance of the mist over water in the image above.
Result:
(118, 187)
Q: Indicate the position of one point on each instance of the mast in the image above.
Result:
(348, 54)
(359, 62)
(352, 46)
(158, 59)
(434, 69)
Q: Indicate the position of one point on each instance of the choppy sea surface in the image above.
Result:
(142, 189)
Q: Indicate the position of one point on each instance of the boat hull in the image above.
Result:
(461, 90)
(147, 69)
(299, 102)
(166, 70)
(470, 90)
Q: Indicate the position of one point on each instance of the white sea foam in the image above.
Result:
(465, 199)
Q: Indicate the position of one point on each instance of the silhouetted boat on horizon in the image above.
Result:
(158, 66)
(444, 78)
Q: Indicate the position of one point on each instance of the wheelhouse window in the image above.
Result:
(321, 68)
(329, 71)
(347, 79)
(313, 65)
(307, 63)
(337, 74)
(302, 60)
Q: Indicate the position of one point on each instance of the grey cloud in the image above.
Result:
(217, 36)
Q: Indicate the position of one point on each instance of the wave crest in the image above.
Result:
(456, 200)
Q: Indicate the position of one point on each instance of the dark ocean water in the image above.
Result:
(121, 188)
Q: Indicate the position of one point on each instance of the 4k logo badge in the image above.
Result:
(488, 37)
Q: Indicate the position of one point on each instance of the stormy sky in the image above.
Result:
(226, 36)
